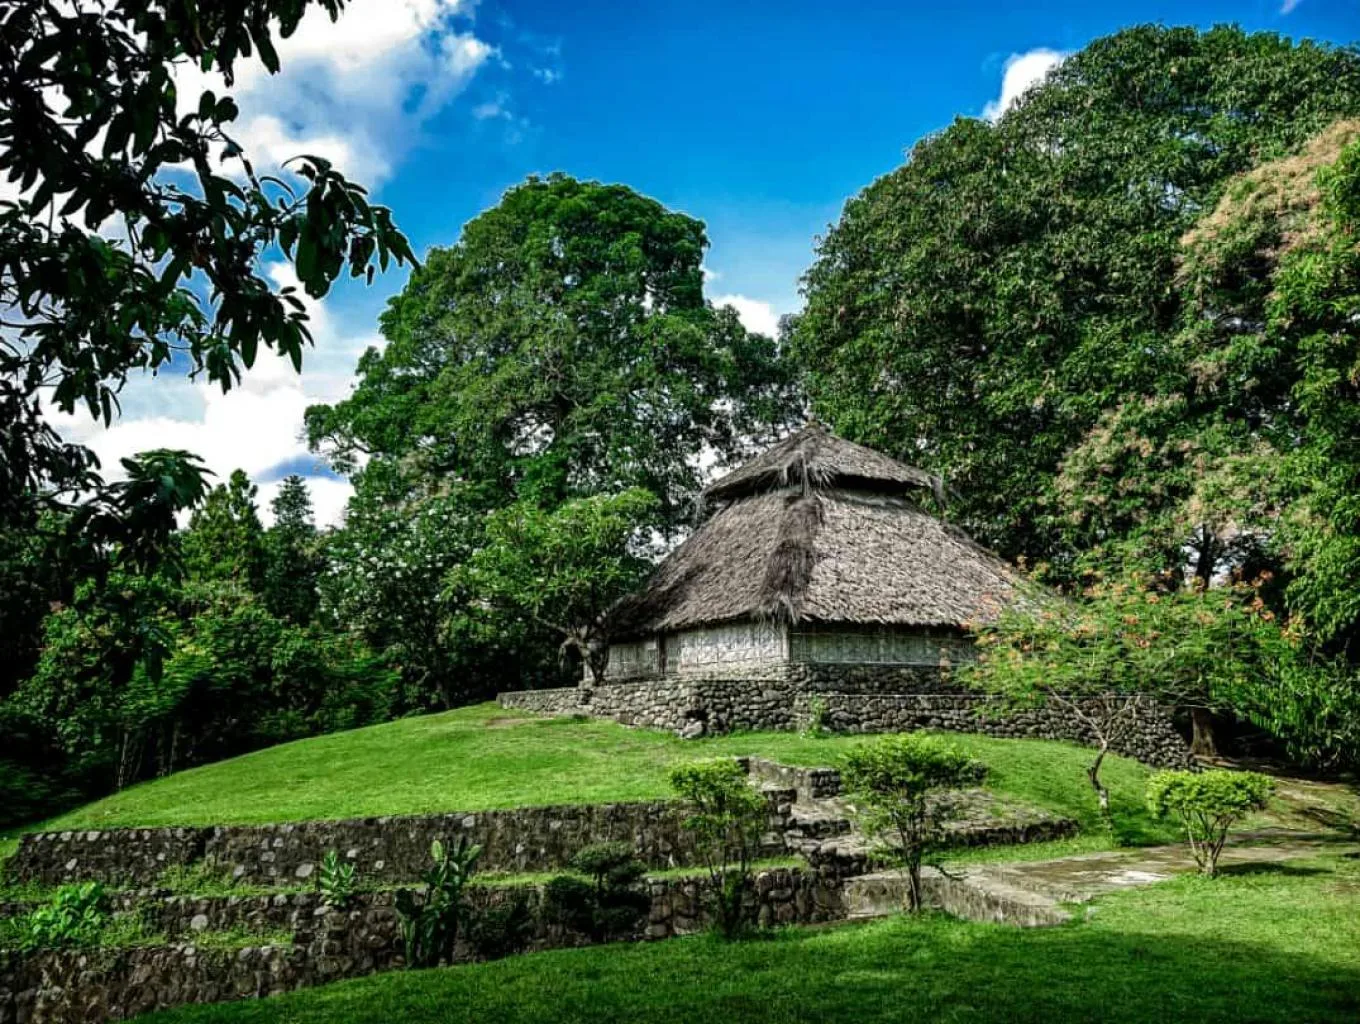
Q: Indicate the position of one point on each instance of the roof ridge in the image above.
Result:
(813, 458)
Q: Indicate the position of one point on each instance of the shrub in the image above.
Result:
(501, 930)
(729, 817)
(895, 785)
(430, 919)
(335, 881)
(607, 906)
(817, 715)
(1207, 804)
(75, 916)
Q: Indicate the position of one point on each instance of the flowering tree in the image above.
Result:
(1127, 642)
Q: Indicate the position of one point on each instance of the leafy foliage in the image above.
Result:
(727, 822)
(986, 306)
(133, 243)
(564, 568)
(225, 539)
(1207, 804)
(607, 903)
(388, 568)
(431, 918)
(561, 348)
(293, 560)
(145, 673)
(895, 785)
(76, 915)
(502, 929)
(91, 125)
(1131, 640)
(335, 881)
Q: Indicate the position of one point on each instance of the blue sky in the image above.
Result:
(760, 118)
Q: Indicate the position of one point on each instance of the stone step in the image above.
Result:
(968, 896)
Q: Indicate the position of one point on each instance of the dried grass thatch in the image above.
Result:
(813, 459)
(829, 556)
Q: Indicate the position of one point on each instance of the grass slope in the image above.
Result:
(1267, 945)
(481, 757)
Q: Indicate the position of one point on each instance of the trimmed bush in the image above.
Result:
(1207, 804)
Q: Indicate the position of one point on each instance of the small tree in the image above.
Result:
(564, 568)
(293, 562)
(729, 817)
(1207, 804)
(610, 903)
(895, 785)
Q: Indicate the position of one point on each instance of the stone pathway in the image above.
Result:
(1040, 893)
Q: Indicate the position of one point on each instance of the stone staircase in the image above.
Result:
(815, 821)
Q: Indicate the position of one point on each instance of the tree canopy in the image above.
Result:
(562, 347)
(984, 308)
(541, 375)
(137, 234)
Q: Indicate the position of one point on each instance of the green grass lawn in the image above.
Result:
(483, 757)
(1266, 945)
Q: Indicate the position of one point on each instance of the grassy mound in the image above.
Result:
(483, 757)
(1267, 945)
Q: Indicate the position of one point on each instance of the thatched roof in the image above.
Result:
(814, 458)
(831, 555)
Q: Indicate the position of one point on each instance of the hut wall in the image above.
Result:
(638, 659)
(739, 648)
(836, 645)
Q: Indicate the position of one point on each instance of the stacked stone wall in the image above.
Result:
(77, 987)
(869, 699)
(1151, 738)
(392, 849)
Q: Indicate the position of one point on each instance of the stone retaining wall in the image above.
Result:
(83, 987)
(1151, 739)
(701, 707)
(395, 849)
(383, 850)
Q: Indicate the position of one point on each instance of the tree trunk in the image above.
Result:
(1102, 794)
(1202, 738)
(914, 886)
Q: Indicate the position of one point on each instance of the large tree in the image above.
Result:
(562, 347)
(980, 309)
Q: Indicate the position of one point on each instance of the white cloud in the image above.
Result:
(1021, 71)
(355, 91)
(550, 75)
(755, 315)
(491, 109)
(256, 426)
(1288, 6)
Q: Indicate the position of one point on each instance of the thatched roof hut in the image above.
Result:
(818, 550)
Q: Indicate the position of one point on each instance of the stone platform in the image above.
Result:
(693, 707)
